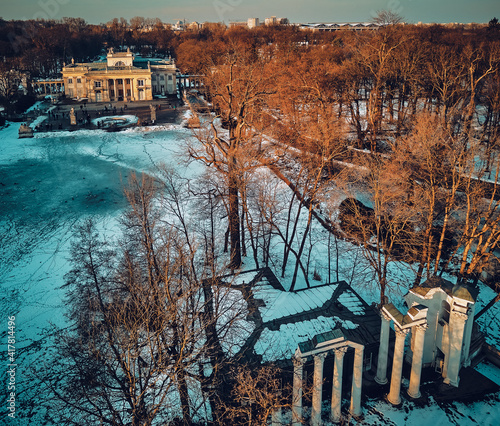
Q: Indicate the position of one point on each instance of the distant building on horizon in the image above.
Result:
(336, 26)
(233, 24)
(253, 22)
(271, 21)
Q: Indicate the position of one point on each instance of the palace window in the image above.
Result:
(162, 77)
(119, 81)
(170, 77)
(97, 84)
(140, 82)
(78, 81)
(127, 81)
(70, 81)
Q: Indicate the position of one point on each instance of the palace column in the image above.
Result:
(298, 370)
(383, 350)
(357, 381)
(416, 360)
(108, 91)
(397, 365)
(456, 336)
(111, 83)
(319, 360)
(136, 90)
(337, 384)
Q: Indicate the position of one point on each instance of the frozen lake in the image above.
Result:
(48, 184)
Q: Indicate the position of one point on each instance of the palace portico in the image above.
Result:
(121, 78)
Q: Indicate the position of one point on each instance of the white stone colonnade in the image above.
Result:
(455, 342)
(339, 348)
(415, 321)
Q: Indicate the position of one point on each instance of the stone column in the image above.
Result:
(383, 350)
(416, 360)
(319, 360)
(357, 381)
(397, 366)
(108, 97)
(337, 384)
(456, 337)
(298, 369)
(136, 90)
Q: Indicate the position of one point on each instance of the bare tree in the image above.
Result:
(238, 90)
(257, 394)
(387, 17)
(144, 327)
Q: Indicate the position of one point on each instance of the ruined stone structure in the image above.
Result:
(450, 321)
(416, 322)
(328, 335)
(318, 349)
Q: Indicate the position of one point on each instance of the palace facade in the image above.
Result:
(123, 77)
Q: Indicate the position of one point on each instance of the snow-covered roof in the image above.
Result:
(283, 319)
(280, 304)
(436, 284)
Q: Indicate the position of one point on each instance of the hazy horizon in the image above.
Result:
(101, 11)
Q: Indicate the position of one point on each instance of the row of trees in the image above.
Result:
(421, 105)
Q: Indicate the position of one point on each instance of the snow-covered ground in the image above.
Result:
(51, 182)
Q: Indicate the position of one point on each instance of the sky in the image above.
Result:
(297, 11)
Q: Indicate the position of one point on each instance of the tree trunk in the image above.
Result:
(234, 223)
(234, 217)
(184, 397)
(488, 306)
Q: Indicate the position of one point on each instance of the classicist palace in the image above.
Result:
(121, 78)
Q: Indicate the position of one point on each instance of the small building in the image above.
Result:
(122, 77)
(253, 22)
(270, 21)
(273, 20)
(193, 26)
